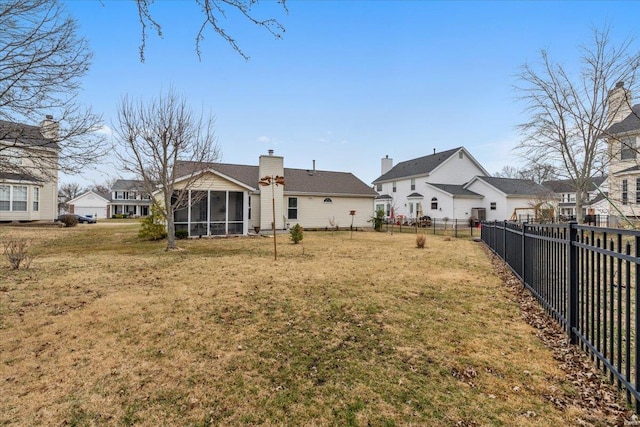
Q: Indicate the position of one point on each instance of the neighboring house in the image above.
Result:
(430, 185)
(90, 204)
(622, 139)
(227, 199)
(28, 171)
(129, 197)
(507, 198)
(565, 197)
(452, 185)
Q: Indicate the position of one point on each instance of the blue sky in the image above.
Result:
(350, 82)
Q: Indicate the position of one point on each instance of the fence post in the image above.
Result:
(524, 258)
(504, 240)
(572, 278)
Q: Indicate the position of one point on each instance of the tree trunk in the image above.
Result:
(579, 206)
(171, 229)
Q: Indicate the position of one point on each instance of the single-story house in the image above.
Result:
(227, 199)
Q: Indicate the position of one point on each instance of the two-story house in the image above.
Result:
(622, 139)
(28, 171)
(451, 184)
(564, 200)
(129, 197)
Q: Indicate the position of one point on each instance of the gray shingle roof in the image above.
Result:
(567, 186)
(19, 177)
(628, 124)
(127, 184)
(515, 187)
(414, 195)
(631, 169)
(296, 180)
(456, 190)
(419, 166)
(25, 134)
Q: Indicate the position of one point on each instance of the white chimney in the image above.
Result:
(619, 101)
(271, 152)
(50, 128)
(387, 165)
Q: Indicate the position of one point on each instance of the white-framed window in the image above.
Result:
(327, 200)
(5, 197)
(292, 212)
(36, 199)
(19, 198)
(411, 208)
(394, 186)
(625, 192)
(413, 184)
(434, 203)
(119, 195)
(493, 206)
(378, 187)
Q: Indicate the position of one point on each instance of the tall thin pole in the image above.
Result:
(273, 205)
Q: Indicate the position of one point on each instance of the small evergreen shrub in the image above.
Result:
(182, 234)
(296, 234)
(152, 227)
(378, 220)
(68, 220)
(421, 239)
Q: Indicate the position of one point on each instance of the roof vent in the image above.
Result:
(271, 152)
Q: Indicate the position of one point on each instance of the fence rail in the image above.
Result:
(587, 279)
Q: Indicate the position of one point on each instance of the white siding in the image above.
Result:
(314, 212)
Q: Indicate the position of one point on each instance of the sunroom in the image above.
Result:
(213, 213)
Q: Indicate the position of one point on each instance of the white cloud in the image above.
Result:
(264, 139)
(105, 130)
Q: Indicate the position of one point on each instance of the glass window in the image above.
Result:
(119, 195)
(628, 148)
(434, 203)
(293, 208)
(378, 187)
(394, 186)
(638, 190)
(413, 184)
(5, 197)
(625, 192)
(36, 199)
(411, 208)
(493, 206)
(19, 198)
(327, 200)
(249, 208)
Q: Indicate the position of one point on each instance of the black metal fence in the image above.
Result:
(436, 226)
(587, 279)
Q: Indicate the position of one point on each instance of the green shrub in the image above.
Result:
(296, 234)
(68, 220)
(182, 234)
(152, 227)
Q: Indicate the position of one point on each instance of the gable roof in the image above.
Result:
(26, 135)
(455, 190)
(127, 184)
(8, 176)
(420, 166)
(512, 186)
(628, 124)
(297, 180)
(85, 194)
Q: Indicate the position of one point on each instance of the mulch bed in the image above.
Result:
(606, 405)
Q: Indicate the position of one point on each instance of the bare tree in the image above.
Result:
(570, 113)
(42, 61)
(69, 191)
(212, 13)
(104, 187)
(533, 171)
(154, 138)
(508, 172)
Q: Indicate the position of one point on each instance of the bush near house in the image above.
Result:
(152, 227)
(68, 220)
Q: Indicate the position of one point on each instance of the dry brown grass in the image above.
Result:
(105, 329)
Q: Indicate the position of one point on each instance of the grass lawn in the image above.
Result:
(106, 329)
